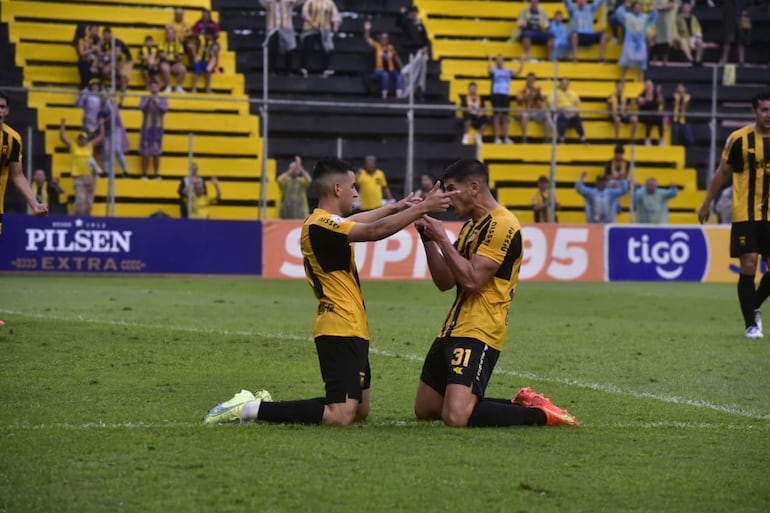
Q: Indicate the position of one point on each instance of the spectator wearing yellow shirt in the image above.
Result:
(568, 111)
(619, 104)
(542, 207)
(184, 33)
(202, 199)
(293, 184)
(321, 21)
(372, 185)
(82, 153)
(387, 63)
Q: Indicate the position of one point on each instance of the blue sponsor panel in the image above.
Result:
(641, 253)
(130, 245)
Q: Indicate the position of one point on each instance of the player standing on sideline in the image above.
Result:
(747, 156)
(483, 265)
(11, 152)
(341, 328)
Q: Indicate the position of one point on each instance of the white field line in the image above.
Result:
(87, 426)
(598, 387)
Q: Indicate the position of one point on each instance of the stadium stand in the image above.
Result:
(226, 138)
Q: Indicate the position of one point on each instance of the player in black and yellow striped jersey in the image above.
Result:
(340, 329)
(483, 266)
(11, 152)
(746, 157)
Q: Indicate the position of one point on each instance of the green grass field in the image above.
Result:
(105, 381)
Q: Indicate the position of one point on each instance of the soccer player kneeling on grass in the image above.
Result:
(341, 328)
(483, 265)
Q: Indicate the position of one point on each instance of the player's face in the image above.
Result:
(462, 202)
(3, 110)
(762, 114)
(348, 192)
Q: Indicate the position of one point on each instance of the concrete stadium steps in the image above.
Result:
(488, 9)
(520, 198)
(479, 68)
(226, 143)
(598, 131)
(171, 209)
(667, 156)
(465, 48)
(578, 216)
(527, 174)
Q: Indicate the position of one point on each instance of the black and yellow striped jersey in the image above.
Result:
(330, 268)
(484, 315)
(11, 151)
(748, 154)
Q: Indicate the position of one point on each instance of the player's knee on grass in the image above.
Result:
(341, 414)
(454, 417)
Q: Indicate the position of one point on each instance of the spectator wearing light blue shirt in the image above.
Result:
(581, 19)
(560, 33)
(501, 96)
(601, 201)
(651, 202)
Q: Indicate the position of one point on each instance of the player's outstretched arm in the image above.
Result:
(371, 216)
(435, 202)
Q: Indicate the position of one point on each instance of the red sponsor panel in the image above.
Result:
(551, 253)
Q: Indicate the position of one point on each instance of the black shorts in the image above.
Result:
(344, 367)
(750, 237)
(476, 122)
(589, 38)
(459, 361)
(501, 103)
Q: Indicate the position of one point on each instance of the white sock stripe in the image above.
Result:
(598, 387)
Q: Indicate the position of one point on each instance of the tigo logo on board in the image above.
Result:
(650, 254)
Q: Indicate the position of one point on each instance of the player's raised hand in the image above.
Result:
(431, 228)
(409, 201)
(437, 201)
(40, 209)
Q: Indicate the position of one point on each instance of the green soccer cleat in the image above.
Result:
(232, 410)
(263, 396)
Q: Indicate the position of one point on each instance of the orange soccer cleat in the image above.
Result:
(554, 415)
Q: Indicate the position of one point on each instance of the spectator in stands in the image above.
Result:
(91, 103)
(651, 202)
(322, 21)
(184, 34)
(665, 29)
(205, 24)
(619, 105)
(532, 102)
(372, 185)
(617, 167)
(202, 199)
(635, 26)
(567, 105)
(689, 35)
(106, 113)
(601, 201)
(283, 39)
(87, 53)
(207, 60)
(294, 183)
(581, 17)
(172, 62)
(560, 37)
(153, 107)
(723, 206)
(532, 27)
(184, 190)
(416, 44)
(501, 96)
(474, 114)
(612, 18)
(542, 207)
(387, 63)
(651, 105)
(148, 60)
(48, 192)
(681, 131)
(426, 184)
(736, 26)
(82, 170)
(124, 63)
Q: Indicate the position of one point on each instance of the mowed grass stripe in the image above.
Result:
(607, 388)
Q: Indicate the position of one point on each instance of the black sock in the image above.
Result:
(747, 297)
(305, 411)
(763, 291)
(492, 399)
(496, 414)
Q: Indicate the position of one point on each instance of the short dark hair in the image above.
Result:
(619, 149)
(464, 169)
(472, 84)
(4, 96)
(542, 179)
(329, 166)
(107, 30)
(760, 97)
